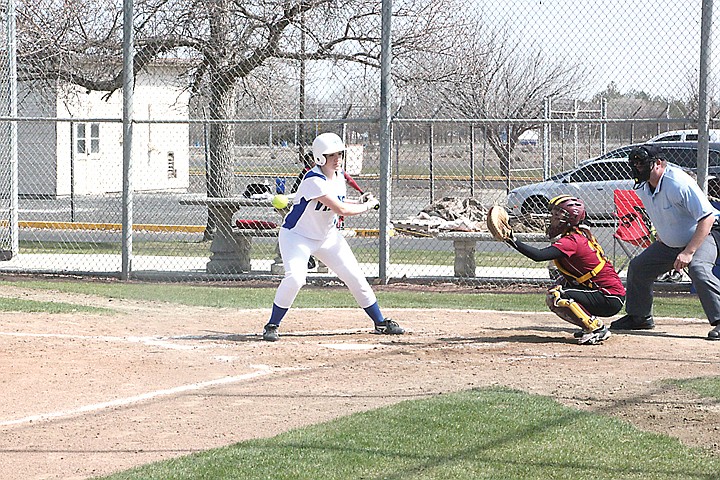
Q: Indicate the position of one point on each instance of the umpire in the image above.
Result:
(687, 236)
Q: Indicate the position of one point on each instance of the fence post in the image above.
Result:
(385, 139)
(72, 171)
(546, 140)
(508, 132)
(13, 150)
(472, 160)
(128, 88)
(431, 151)
(484, 153)
(576, 137)
(603, 126)
(703, 111)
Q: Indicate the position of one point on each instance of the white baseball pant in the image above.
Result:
(334, 252)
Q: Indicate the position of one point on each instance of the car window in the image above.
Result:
(687, 157)
(714, 158)
(669, 138)
(587, 173)
(691, 137)
(617, 153)
(684, 157)
(602, 172)
(618, 171)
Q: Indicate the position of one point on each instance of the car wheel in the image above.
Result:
(534, 205)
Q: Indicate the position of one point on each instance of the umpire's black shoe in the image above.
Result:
(714, 334)
(633, 322)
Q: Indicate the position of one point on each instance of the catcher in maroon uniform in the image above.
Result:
(589, 286)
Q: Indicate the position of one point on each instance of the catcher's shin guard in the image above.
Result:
(570, 311)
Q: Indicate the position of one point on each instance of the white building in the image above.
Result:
(84, 157)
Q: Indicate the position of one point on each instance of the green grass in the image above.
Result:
(480, 434)
(239, 296)
(172, 249)
(703, 386)
(260, 251)
(267, 251)
(447, 257)
(33, 306)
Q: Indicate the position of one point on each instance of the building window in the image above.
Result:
(172, 172)
(94, 138)
(87, 138)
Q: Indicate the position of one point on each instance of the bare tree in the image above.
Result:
(689, 105)
(483, 75)
(222, 42)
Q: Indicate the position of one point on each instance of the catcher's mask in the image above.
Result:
(325, 144)
(566, 212)
(640, 160)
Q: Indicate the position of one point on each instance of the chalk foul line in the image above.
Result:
(120, 402)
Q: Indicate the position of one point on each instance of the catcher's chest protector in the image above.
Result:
(586, 279)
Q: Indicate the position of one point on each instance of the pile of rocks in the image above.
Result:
(460, 215)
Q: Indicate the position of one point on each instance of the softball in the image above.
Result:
(280, 201)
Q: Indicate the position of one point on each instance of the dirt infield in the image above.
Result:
(87, 395)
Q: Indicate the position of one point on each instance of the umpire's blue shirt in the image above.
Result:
(676, 206)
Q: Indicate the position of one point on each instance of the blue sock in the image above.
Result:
(277, 314)
(374, 312)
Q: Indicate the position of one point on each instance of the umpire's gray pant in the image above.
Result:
(657, 259)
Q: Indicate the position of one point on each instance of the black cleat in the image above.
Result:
(270, 333)
(594, 337)
(389, 327)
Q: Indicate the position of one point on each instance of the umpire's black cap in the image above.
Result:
(645, 153)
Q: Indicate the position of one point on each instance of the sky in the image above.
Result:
(644, 46)
(651, 47)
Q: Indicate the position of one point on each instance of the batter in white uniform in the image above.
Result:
(310, 228)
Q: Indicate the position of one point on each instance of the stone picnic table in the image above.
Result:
(230, 247)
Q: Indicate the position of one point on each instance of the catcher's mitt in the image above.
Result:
(498, 223)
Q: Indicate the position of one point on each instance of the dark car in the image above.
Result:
(684, 154)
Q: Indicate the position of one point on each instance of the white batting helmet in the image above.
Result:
(324, 144)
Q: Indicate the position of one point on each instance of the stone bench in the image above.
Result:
(464, 244)
(231, 246)
(239, 253)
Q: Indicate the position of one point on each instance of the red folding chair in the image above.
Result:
(634, 228)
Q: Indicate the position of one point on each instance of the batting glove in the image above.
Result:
(373, 203)
(367, 196)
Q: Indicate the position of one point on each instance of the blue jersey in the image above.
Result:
(308, 216)
(676, 206)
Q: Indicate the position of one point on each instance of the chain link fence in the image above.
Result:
(491, 102)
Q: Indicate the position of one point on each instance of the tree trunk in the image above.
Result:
(500, 147)
(220, 179)
(219, 174)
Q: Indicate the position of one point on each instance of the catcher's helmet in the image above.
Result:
(640, 159)
(566, 212)
(325, 144)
